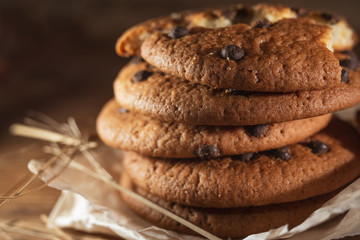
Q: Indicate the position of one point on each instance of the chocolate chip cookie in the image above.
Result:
(129, 43)
(290, 55)
(318, 165)
(173, 99)
(120, 128)
(232, 222)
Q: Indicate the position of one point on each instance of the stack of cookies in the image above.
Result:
(224, 116)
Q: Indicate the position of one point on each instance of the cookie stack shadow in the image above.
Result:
(228, 120)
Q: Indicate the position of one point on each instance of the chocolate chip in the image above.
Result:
(300, 12)
(241, 15)
(178, 32)
(349, 63)
(331, 18)
(358, 118)
(122, 110)
(243, 12)
(344, 76)
(141, 76)
(237, 92)
(208, 151)
(257, 130)
(243, 157)
(232, 52)
(262, 23)
(318, 147)
(283, 153)
(235, 13)
(136, 59)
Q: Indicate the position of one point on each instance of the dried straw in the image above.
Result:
(10, 230)
(69, 135)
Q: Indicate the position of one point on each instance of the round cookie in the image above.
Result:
(149, 136)
(325, 162)
(172, 99)
(129, 43)
(290, 55)
(233, 222)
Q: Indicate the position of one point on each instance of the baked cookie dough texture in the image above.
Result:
(225, 116)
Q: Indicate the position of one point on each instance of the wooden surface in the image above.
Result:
(57, 57)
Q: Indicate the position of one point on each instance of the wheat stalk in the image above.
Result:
(70, 135)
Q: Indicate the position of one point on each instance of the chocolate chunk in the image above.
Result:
(257, 130)
(237, 92)
(243, 157)
(237, 15)
(141, 76)
(318, 147)
(351, 62)
(331, 18)
(300, 12)
(344, 76)
(178, 32)
(122, 110)
(243, 12)
(283, 153)
(232, 52)
(358, 119)
(208, 151)
(262, 23)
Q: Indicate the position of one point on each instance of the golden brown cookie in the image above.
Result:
(232, 222)
(319, 165)
(289, 55)
(129, 43)
(149, 136)
(142, 88)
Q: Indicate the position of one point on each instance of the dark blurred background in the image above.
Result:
(57, 56)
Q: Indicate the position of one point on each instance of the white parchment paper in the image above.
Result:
(88, 204)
